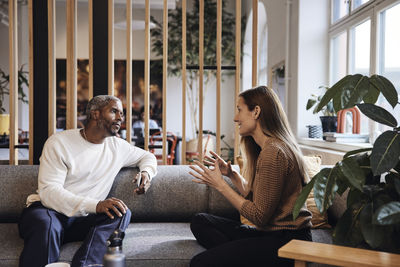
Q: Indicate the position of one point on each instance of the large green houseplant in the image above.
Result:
(371, 175)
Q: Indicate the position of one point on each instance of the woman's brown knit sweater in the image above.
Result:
(277, 184)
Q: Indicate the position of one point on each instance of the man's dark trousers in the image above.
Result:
(45, 230)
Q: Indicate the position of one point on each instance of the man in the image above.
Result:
(77, 170)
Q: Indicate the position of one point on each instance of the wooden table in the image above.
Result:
(306, 251)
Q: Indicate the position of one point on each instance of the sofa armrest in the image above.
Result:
(306, 251)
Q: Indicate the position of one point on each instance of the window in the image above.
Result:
(360, 48)
(370, 49)
(340, 8)
(389, 53)
(338, 55)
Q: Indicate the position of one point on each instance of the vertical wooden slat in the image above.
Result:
(146, 74)
(51, 11)
(90, 49)
(30, 10)
(128, 70)
(71, 65)
(183, 152)
(201, 73)
(219, 38)
(111, 47)
(237, 74)
(13, 63)
(254, 44)
(164, 84)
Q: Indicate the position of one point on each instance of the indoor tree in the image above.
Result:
(192, 46)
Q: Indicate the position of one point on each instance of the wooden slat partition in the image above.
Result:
(111, 47)
(254, 76)
(128, 122)
(218, 107)
(13, 63)
(146, 74)
(183, 152)
(71, 65)
(51, 11)
(201, 73)
(90, 16)
(164, 83)
(237, 74)
(30, 14)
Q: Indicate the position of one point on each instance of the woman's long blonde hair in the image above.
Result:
(274, 123)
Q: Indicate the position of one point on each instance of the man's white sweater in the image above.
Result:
(74, 174)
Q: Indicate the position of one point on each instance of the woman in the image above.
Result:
(275, 173)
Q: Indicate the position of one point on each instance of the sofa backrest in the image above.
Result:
(173, 196)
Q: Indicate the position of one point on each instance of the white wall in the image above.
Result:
(308, 52)
(312, 58)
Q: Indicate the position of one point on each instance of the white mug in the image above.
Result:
(58, 264)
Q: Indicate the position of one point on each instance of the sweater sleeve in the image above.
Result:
(145, 160)
(52, 174)
(267, 187)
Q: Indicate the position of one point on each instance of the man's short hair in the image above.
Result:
(98, 103)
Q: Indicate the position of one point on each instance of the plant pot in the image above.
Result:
(329, 123)
(4, 124)
(314, 131)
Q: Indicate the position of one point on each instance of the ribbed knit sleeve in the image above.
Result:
(268, 186)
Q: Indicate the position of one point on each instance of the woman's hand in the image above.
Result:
(211, 177)
(225, 167)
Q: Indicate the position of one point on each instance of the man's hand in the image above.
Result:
(111, 204)
(145, 182)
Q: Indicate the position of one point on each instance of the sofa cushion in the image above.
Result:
(172, 196)
(16, 183)
(145, 244)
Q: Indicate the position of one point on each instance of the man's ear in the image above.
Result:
(257, 111)
(95, 114)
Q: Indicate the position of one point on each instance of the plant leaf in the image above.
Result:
(353, 197)
(360, 89)
(341, 181)
(373, 234)
(331, 92)
(386, 87)
(388, 214)
(352, 171)
(372, 95)
(301, 199)
(347, 92)
(386, 152)
(310, 103)
(353, 152)
(397, 185)
(348, 230)
(324, 189)
(378, 114)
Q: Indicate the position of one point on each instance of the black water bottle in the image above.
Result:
(114, 256)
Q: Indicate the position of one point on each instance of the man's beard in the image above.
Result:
(102, 124)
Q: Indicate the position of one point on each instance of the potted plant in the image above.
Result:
(371, 175)
(4, 90)
(329, 119)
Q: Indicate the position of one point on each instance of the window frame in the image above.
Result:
(369, 10)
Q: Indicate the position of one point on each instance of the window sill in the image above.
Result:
(344, 147)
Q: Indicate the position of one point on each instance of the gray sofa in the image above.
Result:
(159, 234)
